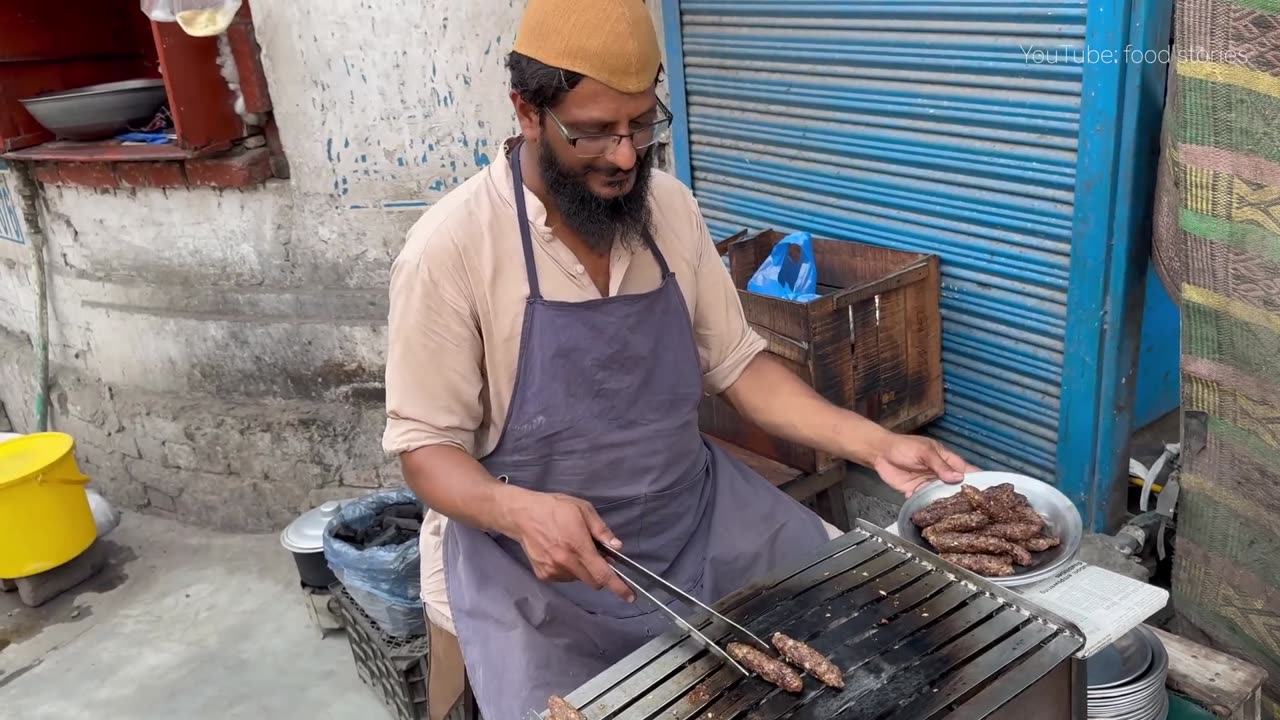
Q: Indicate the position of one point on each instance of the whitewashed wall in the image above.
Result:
(218, 354)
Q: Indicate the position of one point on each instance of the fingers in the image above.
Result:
(914, 486)
(955, 461)
(947, 465)
(597, 527)
(600, 575)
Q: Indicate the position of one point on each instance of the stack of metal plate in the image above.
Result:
(1127, 679)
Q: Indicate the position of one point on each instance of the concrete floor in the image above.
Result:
(182, 623)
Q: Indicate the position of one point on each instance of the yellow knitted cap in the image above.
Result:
(611, 41)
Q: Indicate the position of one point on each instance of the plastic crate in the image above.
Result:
(394, 668)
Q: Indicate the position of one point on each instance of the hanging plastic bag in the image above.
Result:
(790, 272)
(198, 18)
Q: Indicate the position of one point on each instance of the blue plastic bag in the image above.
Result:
(384, 581)
(786, 277)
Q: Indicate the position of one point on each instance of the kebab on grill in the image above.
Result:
(769, 668)
(985, 531)
(559, 709)
(809, 660)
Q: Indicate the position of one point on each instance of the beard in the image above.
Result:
(600, 222)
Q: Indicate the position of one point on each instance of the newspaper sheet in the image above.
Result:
(1102, 604)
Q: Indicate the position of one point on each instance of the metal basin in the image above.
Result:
(97, 112)
(1061, 519)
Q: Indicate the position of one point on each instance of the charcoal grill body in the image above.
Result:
(918, 640)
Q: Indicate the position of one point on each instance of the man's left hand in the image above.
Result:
(907, 462)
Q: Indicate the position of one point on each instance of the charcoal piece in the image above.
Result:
(985, 565)
(939, 509)
(386, 537)
(409, 524)
(768, 668)
(347, 535)
(1012, 532)
(809, 660)
(409, 511)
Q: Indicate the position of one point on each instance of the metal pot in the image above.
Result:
(304, 538)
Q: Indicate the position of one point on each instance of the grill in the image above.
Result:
(918, 640)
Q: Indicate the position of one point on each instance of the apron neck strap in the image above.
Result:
(657, 254)
(526, 238)
(522, 219)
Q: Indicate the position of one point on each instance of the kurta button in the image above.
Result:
(579, 269)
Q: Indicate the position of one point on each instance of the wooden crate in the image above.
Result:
(871, 343)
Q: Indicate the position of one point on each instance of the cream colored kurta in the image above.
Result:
(458, 292)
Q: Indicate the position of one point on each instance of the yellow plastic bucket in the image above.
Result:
(45, 519)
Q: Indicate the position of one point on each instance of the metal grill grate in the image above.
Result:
(915, 642)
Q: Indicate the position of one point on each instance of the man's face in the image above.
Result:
(603, 199)
(594, 109)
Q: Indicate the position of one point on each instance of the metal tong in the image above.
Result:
(621, 561)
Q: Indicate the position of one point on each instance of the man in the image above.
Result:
(554, 324)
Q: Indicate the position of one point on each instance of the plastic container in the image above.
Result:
(304, 539)
(45, 520)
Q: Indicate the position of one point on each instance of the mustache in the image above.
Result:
(610, 173)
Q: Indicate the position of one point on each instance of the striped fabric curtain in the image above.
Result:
(1217, 245)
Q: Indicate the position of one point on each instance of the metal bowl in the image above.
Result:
(97, 112)
(1061, 519)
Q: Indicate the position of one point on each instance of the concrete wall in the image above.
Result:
(218, 354)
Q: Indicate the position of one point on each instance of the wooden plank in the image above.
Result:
(867, 361)
(790, 349)
(781, 316)
(891, 336)
(1228, 687)
(105, 151)
(896, 279)
(924, 347)
(36, 30)
(853, 264)
(202, 104)
(775, 472)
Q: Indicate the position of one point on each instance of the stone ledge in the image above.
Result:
(238, 169)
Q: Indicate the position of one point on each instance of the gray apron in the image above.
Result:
(605, 408)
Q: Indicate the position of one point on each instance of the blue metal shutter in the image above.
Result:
(924, 126)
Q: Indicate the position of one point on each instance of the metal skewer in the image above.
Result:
(703, 639)
(693, 602)
(743, 634)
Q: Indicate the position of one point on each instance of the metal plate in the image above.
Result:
(1120, 662)
(1061, 518)
(1143, 698)
(97, 112)
(100, 89)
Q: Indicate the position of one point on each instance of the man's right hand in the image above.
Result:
(558, 534)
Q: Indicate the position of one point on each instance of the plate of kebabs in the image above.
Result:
(1008, 528)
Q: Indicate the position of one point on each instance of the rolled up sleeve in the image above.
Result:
(726, 342)
(434, 373)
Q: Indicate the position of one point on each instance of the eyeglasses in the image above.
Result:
(590, 146)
